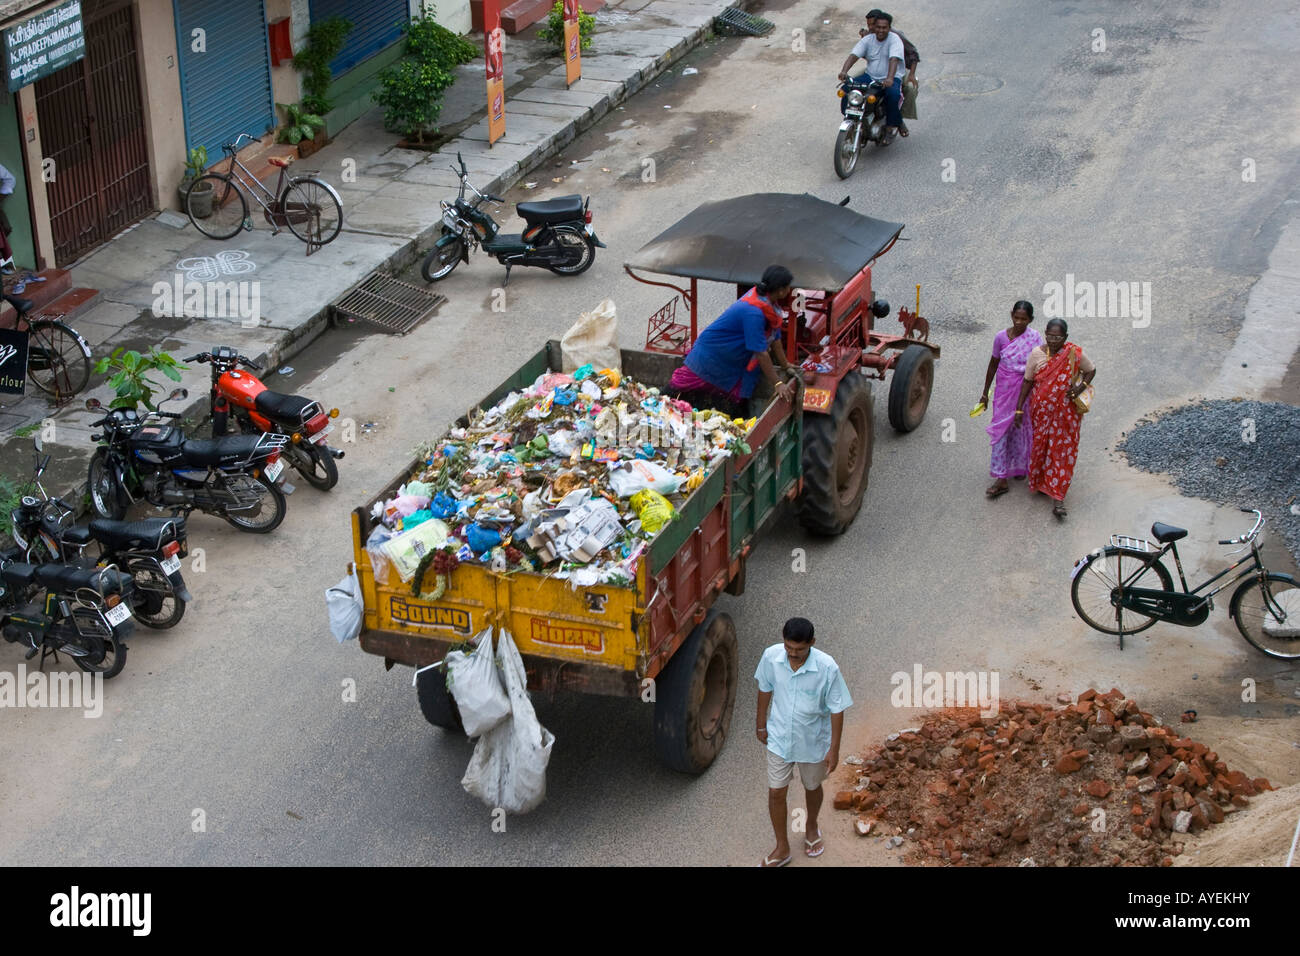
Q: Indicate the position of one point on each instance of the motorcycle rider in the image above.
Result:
(883, 51)
(911, 58)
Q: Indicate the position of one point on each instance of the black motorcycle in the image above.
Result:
(52, 608)
(864, 122)
(150, 550)
(559, 237)
(234, 478)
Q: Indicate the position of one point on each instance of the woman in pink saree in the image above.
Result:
(1011, 348)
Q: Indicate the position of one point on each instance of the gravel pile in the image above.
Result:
(1238, 453)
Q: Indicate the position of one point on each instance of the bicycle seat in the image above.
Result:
(281, 161)
(1164, 533)
(22, 305)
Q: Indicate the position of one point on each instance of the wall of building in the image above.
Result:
(452, 14)
(15, 206)
(161, 89)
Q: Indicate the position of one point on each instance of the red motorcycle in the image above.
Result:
(257, 409)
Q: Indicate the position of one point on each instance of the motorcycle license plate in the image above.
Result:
(273, 470)
(171, 565)
(320, 435)
(450, 222)
(118, 613)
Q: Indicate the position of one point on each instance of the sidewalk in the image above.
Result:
(391, 212)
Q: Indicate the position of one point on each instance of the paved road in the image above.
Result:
(1116, 166)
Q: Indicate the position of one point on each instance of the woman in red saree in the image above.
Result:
(1055, 373)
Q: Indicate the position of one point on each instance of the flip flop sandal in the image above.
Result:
(768, 862)
(996, 492)
(902, 131)
(809, 844)
(1059, 510)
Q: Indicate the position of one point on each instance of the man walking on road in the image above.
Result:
(801, 702)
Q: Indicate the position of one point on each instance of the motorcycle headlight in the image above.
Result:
(855, 98)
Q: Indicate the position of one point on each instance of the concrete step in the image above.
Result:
(57, 282)
(62, 307)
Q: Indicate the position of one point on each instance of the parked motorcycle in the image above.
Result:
(560, 235)
(52, 608)
(864, 122)
(149, 550)
(257, 409)
(235, 478)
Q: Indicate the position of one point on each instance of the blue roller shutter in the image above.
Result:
(375, 25)
(225, 90)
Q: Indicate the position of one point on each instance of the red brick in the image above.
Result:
(1261, 784)
(1105, 717)
(1178, 779)
(1083, 707)
(1067, 764)
(1211, 758)
(863, 800)
(1087, 695)
(987, 760)
(1197, 772)
(1137, 831)
(843, 800)
(1199, 749)
(1240, 800)
(1098, 788)
(1137, 810)
(1161, 765)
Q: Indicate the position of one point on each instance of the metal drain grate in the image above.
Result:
(733, 22)
(393, 305)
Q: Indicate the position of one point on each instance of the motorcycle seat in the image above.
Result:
(148, 534)
(228, 450)
(18, 575)
(1164, 533)
(280, 407)
(560, 209)
(78, 535)
(67, 577)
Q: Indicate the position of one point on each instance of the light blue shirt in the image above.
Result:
(799, 718)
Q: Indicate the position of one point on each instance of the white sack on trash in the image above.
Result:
(346, 607)
(593, 340)
(508, 767)
(474, 683)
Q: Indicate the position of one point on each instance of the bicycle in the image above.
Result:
(58, 358)
(307, 205)
(1266, 607)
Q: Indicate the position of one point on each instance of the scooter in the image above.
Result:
(559, 236)
(864, 122)
(257, 409)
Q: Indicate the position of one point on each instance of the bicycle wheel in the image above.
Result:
(58, 359)
(1097, 579)
(1271, 624)
(312, 210)
(225, 214)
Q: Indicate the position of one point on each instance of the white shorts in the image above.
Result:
(780, 773)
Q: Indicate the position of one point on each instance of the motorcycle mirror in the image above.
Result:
(880, 308)
(93, 405)
(178, 393)
(845, 200)
(40, 446)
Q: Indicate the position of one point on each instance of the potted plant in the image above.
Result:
(195, 166)
(303, 129)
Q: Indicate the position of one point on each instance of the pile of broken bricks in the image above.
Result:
(1095, 782)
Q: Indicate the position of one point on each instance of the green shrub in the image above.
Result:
(130, 375)
(325, 39)
(410, 91)
(553, 32)
(300, 125)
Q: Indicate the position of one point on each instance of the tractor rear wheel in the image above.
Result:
(837, 459)
(910, 388)
(436, 703)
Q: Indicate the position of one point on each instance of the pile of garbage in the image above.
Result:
(573, 476)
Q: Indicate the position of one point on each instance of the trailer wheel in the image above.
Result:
(837, 459)
(436, 703)
(695, 694)
(910, 388)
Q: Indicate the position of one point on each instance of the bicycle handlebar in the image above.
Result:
(1253, 532)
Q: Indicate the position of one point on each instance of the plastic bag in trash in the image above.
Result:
(345, 607)
(472, 680)
(508, 767)
(628, 477)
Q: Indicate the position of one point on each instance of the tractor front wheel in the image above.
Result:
(837, 459)
(910, 388)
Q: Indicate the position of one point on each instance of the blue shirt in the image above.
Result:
(723, 350)
(799, 718)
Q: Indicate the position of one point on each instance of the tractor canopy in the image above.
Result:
(733, 240)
